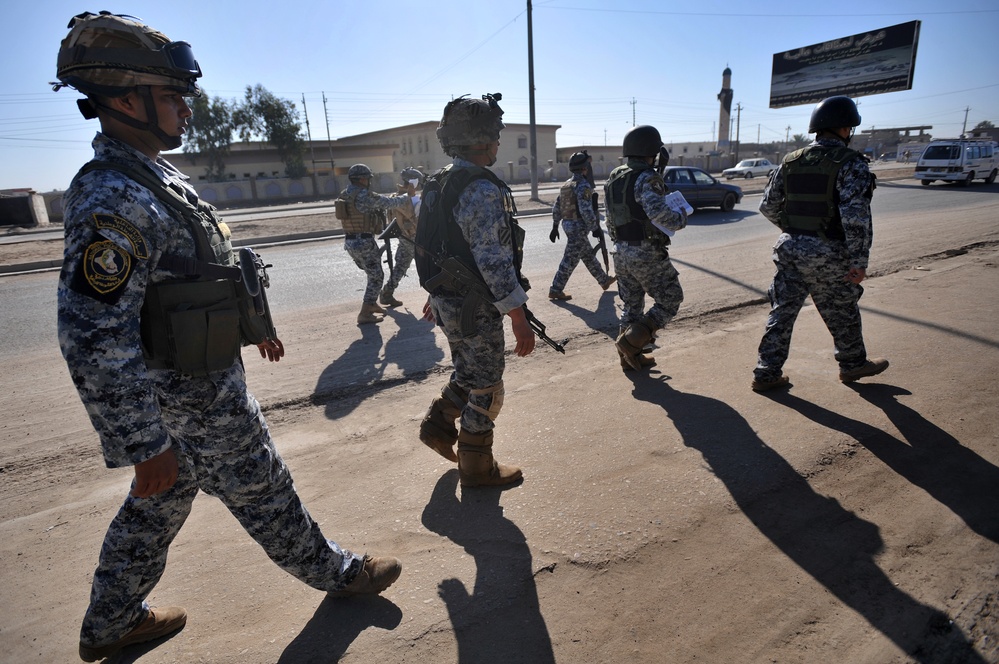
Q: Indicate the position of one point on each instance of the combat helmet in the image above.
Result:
(834, 113)
(578, 162)
(358, 171)
(109, 55)
(642, 141)
(411, 173)
(469, 122)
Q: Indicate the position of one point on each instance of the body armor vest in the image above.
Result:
(568, 204)
(812, 201)
(627, 219)
(440, 237)
(355, 221)
(196, 323)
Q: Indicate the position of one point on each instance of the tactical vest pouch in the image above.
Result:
(191, 326)
(340, 209)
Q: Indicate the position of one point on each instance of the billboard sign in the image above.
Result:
(868, 63)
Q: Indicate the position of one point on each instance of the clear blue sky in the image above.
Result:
(383, 63)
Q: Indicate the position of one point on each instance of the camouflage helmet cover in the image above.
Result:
(358, 171)
(411, 173)
(578, 161)
(470, 122)
(109, 54)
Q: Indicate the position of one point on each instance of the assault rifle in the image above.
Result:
(599, 233)
(455, 276)
(386, 247)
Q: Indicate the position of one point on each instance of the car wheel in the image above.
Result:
(992, 176)
(749, 174)
(967, 181)
(728, 202)
(926, 183)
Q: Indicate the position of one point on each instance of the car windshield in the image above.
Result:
(942, 152)
(745, 164)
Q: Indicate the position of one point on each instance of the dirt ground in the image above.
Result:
(668, 517)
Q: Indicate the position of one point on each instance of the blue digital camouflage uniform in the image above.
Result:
(481, 213)
(213, 424)
(808, 265)
(365, 250)
(644, 267)
(578, 247)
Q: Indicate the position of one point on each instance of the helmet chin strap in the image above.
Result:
(152, 124)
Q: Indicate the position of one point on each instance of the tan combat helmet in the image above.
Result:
(468, 122)
(109, 55)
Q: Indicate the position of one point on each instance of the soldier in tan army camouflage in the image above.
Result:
(151, 318)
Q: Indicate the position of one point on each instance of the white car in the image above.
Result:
(749, 168)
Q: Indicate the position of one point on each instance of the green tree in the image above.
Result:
(263, 115)
(209, 133)
(984, 124)
(799, 141)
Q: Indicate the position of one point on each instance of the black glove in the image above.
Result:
(554, 234)
(597, 233)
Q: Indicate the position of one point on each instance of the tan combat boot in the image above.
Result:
(158, 623)
(367, 314)
(476, 465)
(632, 341)
(437, 430)
(388, 299)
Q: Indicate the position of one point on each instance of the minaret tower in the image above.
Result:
(724, 117)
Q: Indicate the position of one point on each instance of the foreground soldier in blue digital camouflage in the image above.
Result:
(150, 322)
(635, 197)
(574, 208)
(820, 197)
(468, 213)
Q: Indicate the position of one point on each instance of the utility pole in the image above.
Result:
(964, 127)
(787, 136)
(308, 132)
(530, 83)
(738, 117)
(633, 102)
(329, 143)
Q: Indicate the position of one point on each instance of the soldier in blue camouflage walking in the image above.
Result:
(635, 197)
(150, 326)
(468, 213)
(362, 213)
(412, 182)
(820, 197)
(574, 208)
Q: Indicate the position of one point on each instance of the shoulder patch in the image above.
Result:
(658, 185)
(103, 272)
(126, 229)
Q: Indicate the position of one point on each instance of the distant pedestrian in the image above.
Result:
(820, 197)
(635, 200)
(362, 213)
(574, 208)
(150, 323)
(906, 155)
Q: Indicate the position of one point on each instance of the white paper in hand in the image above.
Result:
(677, 203)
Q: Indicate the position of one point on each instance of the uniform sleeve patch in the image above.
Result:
(103, 272)
(126, 229)
(658, 186)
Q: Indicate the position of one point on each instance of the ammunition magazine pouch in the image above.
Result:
(191, 326)
(196, 326)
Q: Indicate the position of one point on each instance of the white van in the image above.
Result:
(958, 160)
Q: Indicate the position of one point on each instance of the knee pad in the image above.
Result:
(495, 405)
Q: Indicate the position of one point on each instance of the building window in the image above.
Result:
(522, 161)
(522, 142)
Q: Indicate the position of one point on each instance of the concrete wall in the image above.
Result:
(23, 210)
